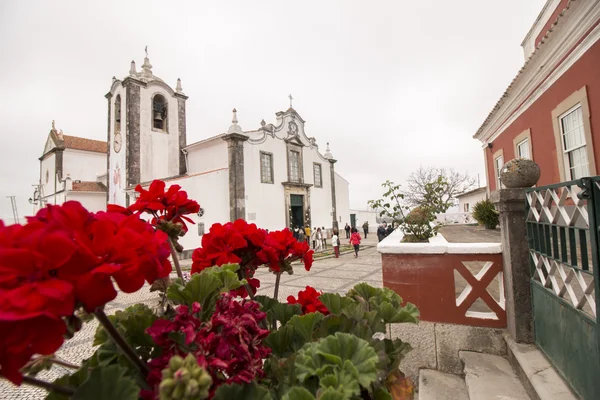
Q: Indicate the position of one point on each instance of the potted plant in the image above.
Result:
(485, 213)
(214, 338)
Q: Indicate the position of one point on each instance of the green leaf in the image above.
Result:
(283, 312)
(396, 350)
(205, 287)
(298, 393)
(363, 290)
(251, 391)
(375, 321)
(199, 288)
(324, 357)
(344, 380)
(132, 324)
(73, 381)
(381, 393)
(107, 383)
(304, 325)
(332, 394)
(284, 341)
(334, 302)
(277, 311)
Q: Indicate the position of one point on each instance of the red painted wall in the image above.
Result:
(561, 6)
(538, 118)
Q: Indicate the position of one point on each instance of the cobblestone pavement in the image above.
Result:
(329, 275)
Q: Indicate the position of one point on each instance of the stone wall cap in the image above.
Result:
(235, 136)
(437, 245)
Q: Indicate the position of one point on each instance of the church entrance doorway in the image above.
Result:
(297, 206)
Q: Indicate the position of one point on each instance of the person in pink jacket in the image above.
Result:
(355, 241)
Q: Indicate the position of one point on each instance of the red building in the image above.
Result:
(551, 111)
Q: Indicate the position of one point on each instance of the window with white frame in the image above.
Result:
(574, 146)
(294, 166)
(523, 150)
(318, 176)
(498, 164)
(266, 167)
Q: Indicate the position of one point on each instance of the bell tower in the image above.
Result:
(146, 132)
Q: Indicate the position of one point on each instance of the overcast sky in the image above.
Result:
(390, 84)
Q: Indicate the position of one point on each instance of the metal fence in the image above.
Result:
(562, 229)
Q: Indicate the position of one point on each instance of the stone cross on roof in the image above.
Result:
(291, 98)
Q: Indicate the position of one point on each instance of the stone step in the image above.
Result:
(540, 378)
(490, 377)
(436, 385)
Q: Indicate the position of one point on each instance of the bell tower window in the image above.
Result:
(118, 113)
(159, 113)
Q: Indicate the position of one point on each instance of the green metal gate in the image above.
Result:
(562, 228)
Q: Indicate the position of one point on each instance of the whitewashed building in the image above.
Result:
(467, 200)
(274, 176)
(72, 168)
(359, 216)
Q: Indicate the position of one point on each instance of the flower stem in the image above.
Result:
(121, 342)
(176, 260)
(51, 387)
(277, 280)
(247, 285)
(58, 361)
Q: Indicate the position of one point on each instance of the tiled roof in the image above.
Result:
(481, 189)
(88, 187)
(79, 143)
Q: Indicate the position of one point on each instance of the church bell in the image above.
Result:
(158, 116)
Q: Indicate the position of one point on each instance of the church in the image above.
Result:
(274, 176)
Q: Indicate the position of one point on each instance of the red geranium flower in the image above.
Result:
(229, 346)
(170, 206)
(65, 257)
(309, 300)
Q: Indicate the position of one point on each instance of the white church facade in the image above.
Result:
(274, 176)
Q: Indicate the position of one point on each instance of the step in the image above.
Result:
(541, 379)
(436, 385)
(490, 377)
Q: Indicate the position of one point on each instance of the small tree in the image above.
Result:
(418, 225)
(390, 204)
(456, 183)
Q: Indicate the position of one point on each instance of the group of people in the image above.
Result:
(317, 238)
(384, 230)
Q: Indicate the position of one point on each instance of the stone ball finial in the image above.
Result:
(263, 123)
(520, 173)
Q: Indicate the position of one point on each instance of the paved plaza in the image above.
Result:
(329, 275)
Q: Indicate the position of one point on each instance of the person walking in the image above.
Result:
(324, 233)
(319, 240)
(313, 237)
(301, 236)
(381, 232)
(335, 242)
(355, 241)
(307, 233)
(365, 227)
(347, 229)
